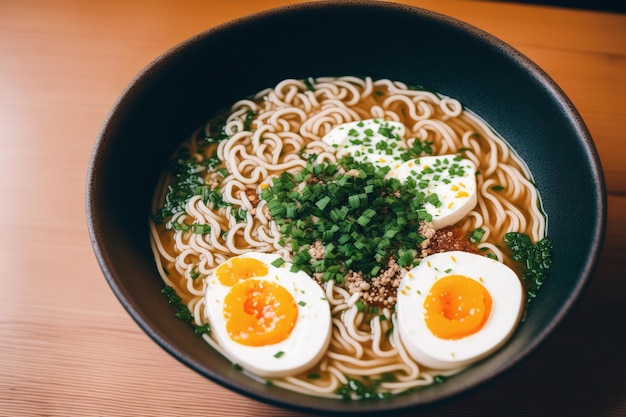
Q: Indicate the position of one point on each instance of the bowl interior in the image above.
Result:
(184, 87)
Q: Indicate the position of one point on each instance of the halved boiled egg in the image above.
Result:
(455, 308)
(376, 141)
(269, 320)
(450, 180)
(451, 177)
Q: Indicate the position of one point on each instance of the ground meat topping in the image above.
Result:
(428, 231)
(316, 250)
(382, 289)
(253, 197)
(315, 180)
(448, 239)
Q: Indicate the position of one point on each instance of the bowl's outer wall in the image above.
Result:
(182, 89)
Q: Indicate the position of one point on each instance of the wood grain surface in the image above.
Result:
(67, 346)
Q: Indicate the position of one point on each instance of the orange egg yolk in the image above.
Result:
(236, 269)
(456, 307)
(259, 313)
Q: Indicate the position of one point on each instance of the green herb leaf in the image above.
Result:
(536, 259)
(201, 229)
(323, 204)
(278, 262)
(477, 235)
(181, 311)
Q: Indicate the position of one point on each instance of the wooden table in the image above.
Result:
(67, 347)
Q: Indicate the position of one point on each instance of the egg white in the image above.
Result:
(308, 340)
(457, 193)
(360, 139)
(433, 352)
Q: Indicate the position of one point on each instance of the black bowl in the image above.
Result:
(186, 85)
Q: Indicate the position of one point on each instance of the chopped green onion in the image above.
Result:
(340, 211)
(278, 262)
(477, 235)
(201, 229)
(323, 202)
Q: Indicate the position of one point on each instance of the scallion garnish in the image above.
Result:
(536, 258)
(278, 262)
(477, 235)
(361, 220)
(201, 229)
